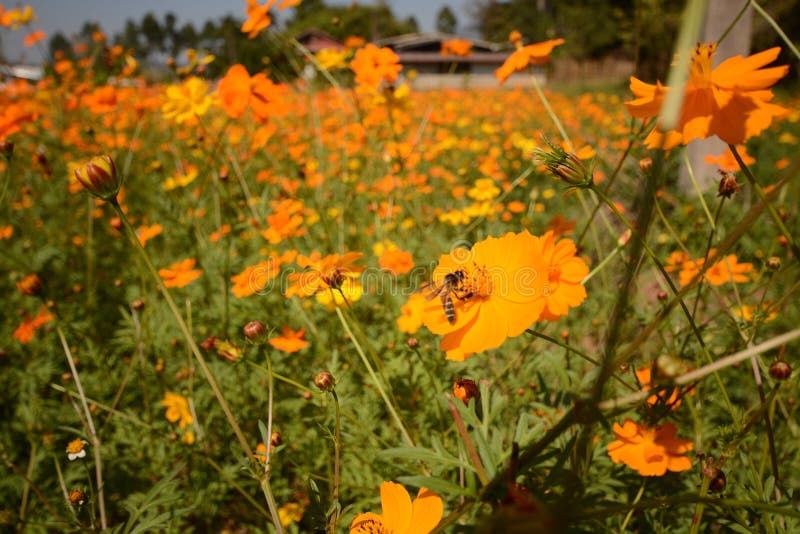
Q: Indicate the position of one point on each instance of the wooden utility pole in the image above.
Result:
(719, 16)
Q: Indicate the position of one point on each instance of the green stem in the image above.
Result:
(375, 379)
(776, 27)
(184, 330)
(337, 452)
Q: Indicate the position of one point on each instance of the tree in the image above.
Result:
(153, 33)
(59, 43)
(446, 21)
(370, 21)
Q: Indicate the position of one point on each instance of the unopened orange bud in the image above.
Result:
(465, 389)
(99, 177)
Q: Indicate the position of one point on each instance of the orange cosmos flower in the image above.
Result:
(533, 54)
(290, 340)
(255, 277)
(11, 117)
(730, 101)
(323, 273)
(396, 261)
(411, 312)
(457, 47)
(401, 515)
(34, 37)
(727, 162)
(728, 269)
(180, 274)
(373, 65)
(25, 331)
(146, 233)
(258, 16)
(486, 294)
(650, 451)
(102, 100)
(30, 285)
(565, 272)
(644, 376)
(238, 89)
(6, 232)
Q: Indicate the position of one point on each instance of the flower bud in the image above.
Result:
(254, 330)
(324, 381)
(646, 165)
(138, 304)
(773, 263)
(275, 439)
(229, 351)
(780, 370)
(209, 343)
(99, 177)
(30, 285)
(728, 185)
(465, 389)
(412, 342)
(77, 497)
(7, 148)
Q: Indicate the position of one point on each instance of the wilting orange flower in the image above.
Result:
(146, 233)
(728, 269)
(290, 340)
(373, 65)
(565, 272)
(11, 116)
(496, 290)
(255, 277)
(650, 451)
(532, 54)
(34, 37)
(730, 101)
(401, 515)
(411, 312)
(180, 274)
(323, 273)
(238, 89)
(25, 331)
(456, 47)
(177, 409)
(30, 284)
(258, 16)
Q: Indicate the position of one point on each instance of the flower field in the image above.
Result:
(339, 304)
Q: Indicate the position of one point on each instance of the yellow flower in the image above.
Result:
(332, 298)
(187, 100)
(332, 58)
(177, 409)
(181, 179)
(484, 189)
(412, 311)
(289, 513)
(401, 515)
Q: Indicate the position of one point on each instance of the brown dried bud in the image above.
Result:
(118, 282)
(465, 389)
(254, 330)
(275, 439)
(412, 342)
(209, 343)
(728, 185)
(662, 295)
(780, 370)
(646, 165)
(773, 263)
(307, 395)
(138, 304)
(77, 497)
(324, 381)
(718, 483)
(7, 148)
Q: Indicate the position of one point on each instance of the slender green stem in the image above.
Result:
(273, 508)
(375, 379)
(697, 189)
(776, 27)
(185, 331)
(467, 441)
(337, 453)
(98, 466)
(265, 485)
(90, 253)
(629, 515)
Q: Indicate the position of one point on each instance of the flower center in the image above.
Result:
(700, 70)
(480, 282)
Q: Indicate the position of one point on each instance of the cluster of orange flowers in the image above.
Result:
(727, 269)
(498, 288)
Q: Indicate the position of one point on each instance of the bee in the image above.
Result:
(451, 285)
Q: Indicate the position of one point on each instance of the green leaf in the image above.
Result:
(440, 486)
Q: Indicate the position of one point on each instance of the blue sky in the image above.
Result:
(67, 16)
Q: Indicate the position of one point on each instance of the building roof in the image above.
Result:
(316, 40)
(429, 42)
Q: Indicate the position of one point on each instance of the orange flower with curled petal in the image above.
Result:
(11, 117)
(258, 16)
(290, 340)
(523, 56)
(496, 290)
(255, 277)
(731, 101)
(34, 37)
(650, 451)
(400, 514)
(146, 233)
(565, 273)
(323, 273)
(180, 274)
(373, 65)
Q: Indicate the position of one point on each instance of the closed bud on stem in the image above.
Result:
(77, 497)
(646, 165)
(773, 263)
(564, 165)
(780, 370)
(465, 389)
(7, 148)
(254, 330)
(728, 185)
(324, 381)
(99, 177)
(275, 439)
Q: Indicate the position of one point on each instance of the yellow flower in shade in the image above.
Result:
(410, 319)
(731, 101)
(76, 449)
(350, 287)
(484, 189)
(177, 409)
(747, 313)
(479, 297)
(182, 178)
(187, 100)
(400, 514)
(289, 513)
(650, 451)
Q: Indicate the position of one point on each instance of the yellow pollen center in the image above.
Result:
(480, 283)
(75, 446)
(700, 70)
